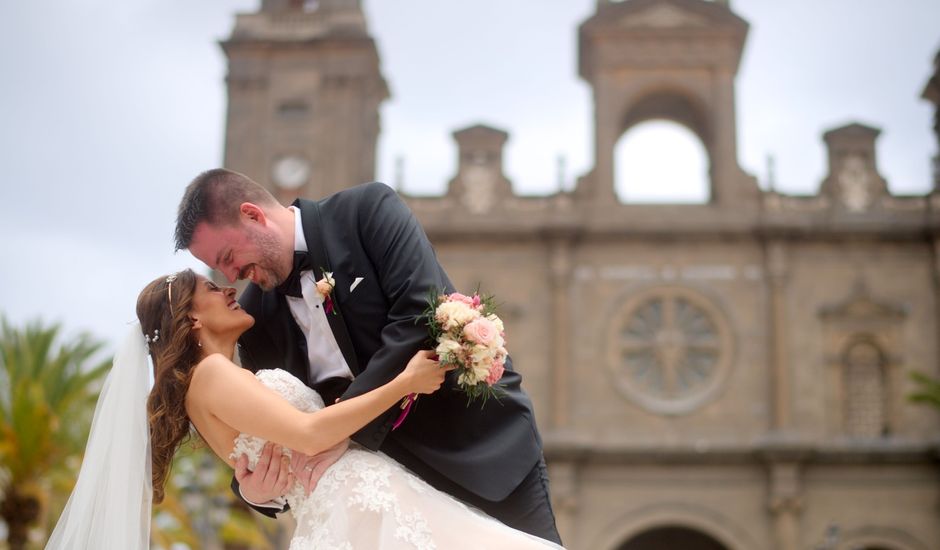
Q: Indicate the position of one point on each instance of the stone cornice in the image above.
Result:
(463, 226)
(567, 448)
(777, 216)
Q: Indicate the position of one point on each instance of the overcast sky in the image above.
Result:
(108, 109)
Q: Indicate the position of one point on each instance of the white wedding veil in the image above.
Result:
(109, 509)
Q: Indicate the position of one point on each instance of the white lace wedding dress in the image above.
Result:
(368, 501)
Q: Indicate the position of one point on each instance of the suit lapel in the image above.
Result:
(316, 248)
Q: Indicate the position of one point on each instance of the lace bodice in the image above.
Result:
(290, 388)
(366, 500)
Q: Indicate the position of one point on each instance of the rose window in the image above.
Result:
(669, 350)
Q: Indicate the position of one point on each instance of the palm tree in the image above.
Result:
(199, 504)
(47, 395)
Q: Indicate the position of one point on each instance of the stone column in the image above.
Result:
(776, 268)
(785, 504)
(935, 249)
(722, 127)
(560, 263)
(607, 131)
(564, 488)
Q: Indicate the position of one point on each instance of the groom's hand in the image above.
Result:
(270, 478)
(309, 469)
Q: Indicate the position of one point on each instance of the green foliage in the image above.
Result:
(199, 503)
(48, 390)
(929, 389)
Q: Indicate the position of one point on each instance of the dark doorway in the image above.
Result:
(672, 538)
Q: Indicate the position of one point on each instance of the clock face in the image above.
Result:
(291, 172)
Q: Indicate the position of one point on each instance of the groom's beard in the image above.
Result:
(265, 269)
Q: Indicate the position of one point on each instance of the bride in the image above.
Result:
(190, 328)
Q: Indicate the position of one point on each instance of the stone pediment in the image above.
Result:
(861, 306)
(481, 132)
(663, 14)
(854, 130)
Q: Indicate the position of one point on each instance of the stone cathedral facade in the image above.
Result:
(730, 375)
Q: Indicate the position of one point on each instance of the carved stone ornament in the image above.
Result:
(860, 306)
(854, 184)
(479, 189)
(669, 350)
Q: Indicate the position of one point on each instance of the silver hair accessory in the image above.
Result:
(169, 289)
(151, 339)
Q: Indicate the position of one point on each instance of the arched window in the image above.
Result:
(865, 391)
(660, 161)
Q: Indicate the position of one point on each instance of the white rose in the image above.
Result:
(482, 355)
(481, 371)
(447, 346)
(468, 378)
(455, 314)
(496, 321)
(498, 343)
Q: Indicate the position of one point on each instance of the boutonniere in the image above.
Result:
(325, 288)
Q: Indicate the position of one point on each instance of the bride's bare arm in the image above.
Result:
(235, 397)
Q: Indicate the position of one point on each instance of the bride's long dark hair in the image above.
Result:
(163, 310)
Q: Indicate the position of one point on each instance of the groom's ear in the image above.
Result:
(251, 212)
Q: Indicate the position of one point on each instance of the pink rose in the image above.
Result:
(458, 297)
(496, 372)
(480, 331)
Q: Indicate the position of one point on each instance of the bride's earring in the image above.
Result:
(198, 343)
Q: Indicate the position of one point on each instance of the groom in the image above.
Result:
(365, 332)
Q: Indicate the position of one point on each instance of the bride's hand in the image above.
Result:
(309, 469)
(423, 374)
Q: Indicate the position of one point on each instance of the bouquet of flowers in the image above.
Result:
(467, 334)
(470, 336)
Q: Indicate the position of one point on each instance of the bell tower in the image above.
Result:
(304, 90)
(665, 59)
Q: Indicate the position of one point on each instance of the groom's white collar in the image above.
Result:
(300, 242)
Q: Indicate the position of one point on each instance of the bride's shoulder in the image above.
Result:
(215, 377)
(214, 366)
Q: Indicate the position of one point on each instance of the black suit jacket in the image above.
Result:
(367, 231)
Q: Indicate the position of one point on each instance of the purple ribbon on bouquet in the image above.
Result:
(406, 404)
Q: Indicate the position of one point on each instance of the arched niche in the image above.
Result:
(712, 523)
(672, 536)
(668, 104)
(661, 161)
(864, 379)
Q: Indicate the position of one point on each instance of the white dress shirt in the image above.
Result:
(324, 358)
